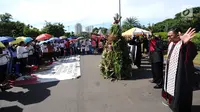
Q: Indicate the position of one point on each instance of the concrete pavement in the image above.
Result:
(89, 93)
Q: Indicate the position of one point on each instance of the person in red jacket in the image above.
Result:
(156, 57)
(67, 46)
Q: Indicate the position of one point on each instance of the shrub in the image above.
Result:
(116, 63)
(196, 40)
(162, 34)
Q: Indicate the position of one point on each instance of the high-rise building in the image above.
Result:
(89, 29)
(78, 28)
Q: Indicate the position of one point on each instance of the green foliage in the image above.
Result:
(17, 28)
(130, 23)
(162, 34)
(116, 62)
(103, 30)
(31, 32)
(56, 29)
(196, 40)
(115, 30)
(180, 22)
(95, 30)
(14, 29)
(5, 17)
(67, 34)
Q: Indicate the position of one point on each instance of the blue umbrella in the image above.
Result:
(53, 39)
(73, 37)
(42, 42)
(28, 39)
(6, 39)
(69, 38)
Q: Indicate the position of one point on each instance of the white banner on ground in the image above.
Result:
(67, 68)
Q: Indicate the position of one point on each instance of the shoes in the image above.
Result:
(165, 103)
(152, 81)
(5, 87)
(157, 87)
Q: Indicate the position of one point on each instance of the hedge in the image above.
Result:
(196, 39)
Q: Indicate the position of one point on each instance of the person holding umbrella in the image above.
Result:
(31, 57)
(3, 68)
(22, 56)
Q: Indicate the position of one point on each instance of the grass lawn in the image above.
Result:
(196, 60)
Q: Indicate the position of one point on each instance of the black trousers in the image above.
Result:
(31, 59)
(22, 67)
(157, 72)
(62, 51)
(3, 69)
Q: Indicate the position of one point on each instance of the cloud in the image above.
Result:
(91, 12)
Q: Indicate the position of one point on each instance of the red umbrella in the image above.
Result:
(43, 37)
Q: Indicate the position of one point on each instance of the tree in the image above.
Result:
(103, 30)
(72, 33)
(95, 30)
(31, 31)
(11, 28)
(116, 62)
(67, 34)
(130, 23)
(56, 29)
(84, 34)
(183, 23)
(19, 28)
(5, 17)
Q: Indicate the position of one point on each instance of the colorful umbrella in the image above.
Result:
(43, 37)
(42, 42)
(63, 37)
(72, 40)
(18, 40)
(28, 39)
(2, 45)
(54, 39)
(6, 39)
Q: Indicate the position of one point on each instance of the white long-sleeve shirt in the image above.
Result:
(30, 50)
(6, 51)
(3, 59)
(44, 49)
(22, 52)
(62, 45)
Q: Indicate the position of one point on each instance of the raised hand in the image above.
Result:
(188, 35)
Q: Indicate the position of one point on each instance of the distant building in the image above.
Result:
(89, 29)
(78, 28)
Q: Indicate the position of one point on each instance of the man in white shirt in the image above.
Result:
(82, 47)
(22, 56)
(9, 56)
(3, 68)
(62, 47)
(44, 48)
(87, 47)
(30, 54)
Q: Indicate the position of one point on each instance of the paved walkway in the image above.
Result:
(89, 93)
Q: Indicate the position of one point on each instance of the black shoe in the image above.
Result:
(157, 87)
(152, 81)
(5, 87)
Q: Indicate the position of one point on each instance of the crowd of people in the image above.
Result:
(20, 59)
(176, 82)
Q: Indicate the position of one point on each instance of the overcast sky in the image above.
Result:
(92, 12)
